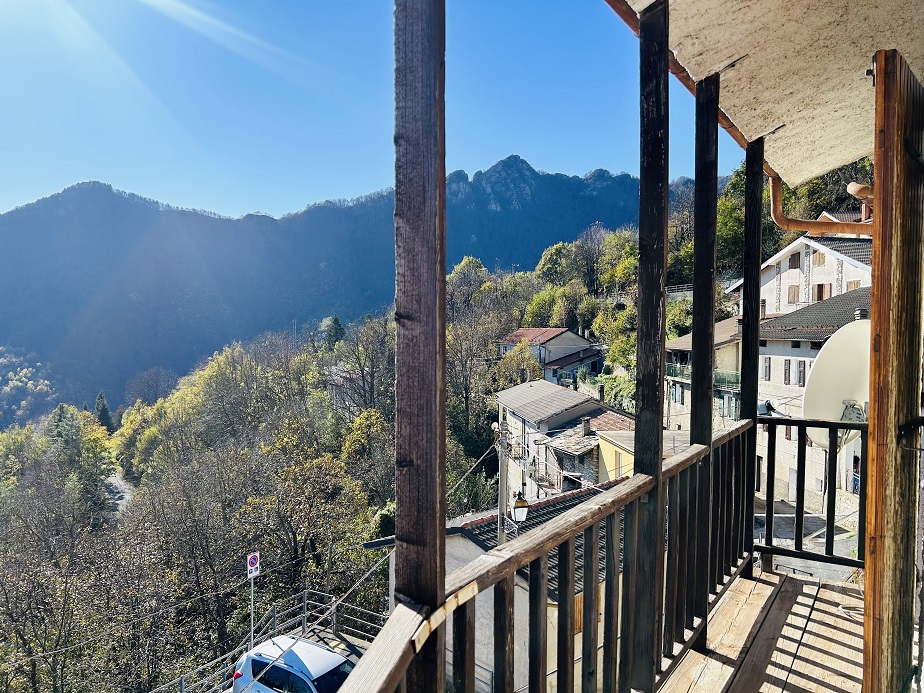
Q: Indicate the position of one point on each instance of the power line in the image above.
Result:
(175, 607)
(470, 470)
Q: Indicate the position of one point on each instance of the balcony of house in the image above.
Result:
(771, 602)
(676, 591)
(730, 380)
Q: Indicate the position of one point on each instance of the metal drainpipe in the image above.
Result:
(813, 226)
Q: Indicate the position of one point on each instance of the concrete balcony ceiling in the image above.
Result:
(795, 72)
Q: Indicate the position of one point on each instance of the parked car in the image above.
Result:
(287, 664)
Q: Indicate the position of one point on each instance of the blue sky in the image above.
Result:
(238, 106)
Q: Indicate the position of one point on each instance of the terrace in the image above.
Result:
(690, 608)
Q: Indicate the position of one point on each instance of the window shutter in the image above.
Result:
(801, 373)
(826, 292)
(766, 368)
(786, 365)
(789, 433)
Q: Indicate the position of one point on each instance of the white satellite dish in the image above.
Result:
(837, 388)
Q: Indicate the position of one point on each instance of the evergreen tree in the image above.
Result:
(103, 415)
(332, 330)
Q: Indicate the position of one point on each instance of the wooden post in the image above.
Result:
(701, 385)
(649, 388)
(750, 331)
(420, 317)
(895, 375)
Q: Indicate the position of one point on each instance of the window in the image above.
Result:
(681, 393)
(275, 678)
(765, 427)
(794, 261)
(789, 433)
(801, 373)
(822, 292)
(796, 344)
(766, 368)
(762, 342)
(733, 408)
(853, 284)
(818, 259)
(333, 679)
(786, 365)
(814, 346)
(793, 297)
(721, 406)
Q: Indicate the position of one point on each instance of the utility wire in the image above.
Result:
(174, 607)
(470, 470)
(326, 614)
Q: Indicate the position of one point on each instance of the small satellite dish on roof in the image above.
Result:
(837, 388)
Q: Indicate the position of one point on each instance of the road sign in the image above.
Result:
(253, 565)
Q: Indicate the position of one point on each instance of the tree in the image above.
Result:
(103, 415)
(517, 365)
(331, 330)
(363, 376)
(150, 385)
(559, 265)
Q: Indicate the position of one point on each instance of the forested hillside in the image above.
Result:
(122, 553)
(100, 285)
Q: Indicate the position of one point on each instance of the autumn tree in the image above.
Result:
(517, 365)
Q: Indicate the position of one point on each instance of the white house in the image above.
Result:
(558, 350)
(552, 436)
(812, 269)
(788, 347)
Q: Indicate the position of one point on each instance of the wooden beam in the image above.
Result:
(750, 329)
(420, 317)
(705, 198)
(538, 624)
(631, 19)
(649, 389)
(895, 375)
(383, 664)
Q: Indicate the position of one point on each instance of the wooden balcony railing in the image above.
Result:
(835, 429)
(694, 577)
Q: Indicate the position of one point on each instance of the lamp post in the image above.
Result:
(520, 508)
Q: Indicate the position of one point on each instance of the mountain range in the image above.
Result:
(99, 284)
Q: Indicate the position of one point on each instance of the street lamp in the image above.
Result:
(520, 508)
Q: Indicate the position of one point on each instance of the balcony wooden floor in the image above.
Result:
(779, 633)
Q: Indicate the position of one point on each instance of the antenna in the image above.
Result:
(837, 388)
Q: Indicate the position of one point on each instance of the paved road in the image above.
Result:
(784, 532)
(121, 494)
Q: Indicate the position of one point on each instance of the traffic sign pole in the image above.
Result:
(253, 569)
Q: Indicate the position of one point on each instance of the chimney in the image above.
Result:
(585, 425)
(861, 314)
(763, 308)
(740, 325)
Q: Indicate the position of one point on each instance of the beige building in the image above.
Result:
(726, 378)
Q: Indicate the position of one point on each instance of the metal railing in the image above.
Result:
(721, 378)
(306, 614)
(572, 544)
(835, 430)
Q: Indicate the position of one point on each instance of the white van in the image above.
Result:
(301, 667)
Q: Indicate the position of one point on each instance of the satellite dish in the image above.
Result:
(837, 388)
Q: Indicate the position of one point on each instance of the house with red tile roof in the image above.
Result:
(560, 351)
